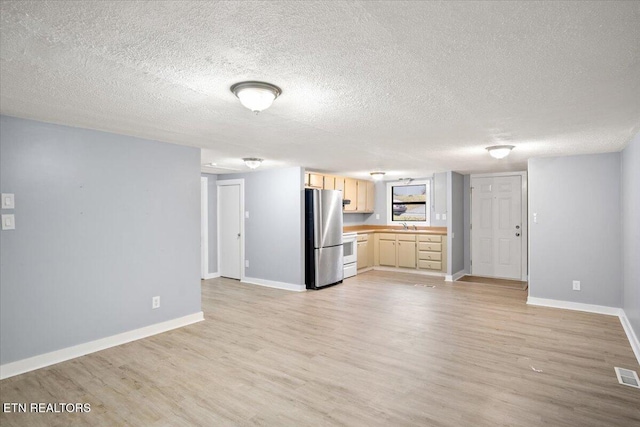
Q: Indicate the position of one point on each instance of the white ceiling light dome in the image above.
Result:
(256, 96)
(500, 151)
(377, 176)
(252, 162)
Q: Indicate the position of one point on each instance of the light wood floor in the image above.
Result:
(381, 349)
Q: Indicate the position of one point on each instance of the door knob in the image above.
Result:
(517, 227)
(238, 234)
(517, 234)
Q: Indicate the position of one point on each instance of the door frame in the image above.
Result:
(239, 182)
(204, 228)
(524, 250)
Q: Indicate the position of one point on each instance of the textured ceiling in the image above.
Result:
(410, 88)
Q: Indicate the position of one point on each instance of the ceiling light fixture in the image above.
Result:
(377, 176)
(252, 162)
(499, 151)
(256, 96)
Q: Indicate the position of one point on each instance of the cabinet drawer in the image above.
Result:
(430, 256)
(407, 237)
(427, 246)
(363, 237)
(430, 238)
(429, 265)
(387, 236)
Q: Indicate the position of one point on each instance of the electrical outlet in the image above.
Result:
(246, 263)
(377, 216)
(576, 285)
(155, 302)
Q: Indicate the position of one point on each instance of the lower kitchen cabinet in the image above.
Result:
(416, 251)
(387, 252)
(365, 251)
(406, 253)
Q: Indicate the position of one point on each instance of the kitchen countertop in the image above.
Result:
(393, 229)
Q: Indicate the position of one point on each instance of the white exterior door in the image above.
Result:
(496, 227)
(229, 230)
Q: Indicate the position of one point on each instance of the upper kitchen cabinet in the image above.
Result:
(351, 193)
(316, 180)
(371, 196)
(360, 192)
(329, 183)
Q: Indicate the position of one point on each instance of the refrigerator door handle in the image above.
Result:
(317, 219)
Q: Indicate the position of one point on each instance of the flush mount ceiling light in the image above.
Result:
(500, 151)
(377, 176)
(252, 162)
(256, 96)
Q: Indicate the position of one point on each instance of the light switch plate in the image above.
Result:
(8, 222)
(437, 216)
(8, 201)
(246, 214)
(444, 217)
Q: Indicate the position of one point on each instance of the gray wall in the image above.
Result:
(274, 231)
(213, 221)
(104, 222)
(466, 194)
(630, 180)
(455, 222)
(577, 236)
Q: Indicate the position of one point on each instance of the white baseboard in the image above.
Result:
(408, 270)
(631, 335)
(212, 276)
(274, 284)
(577, 306)
(364, 270)
(455, 276)
(36, 362)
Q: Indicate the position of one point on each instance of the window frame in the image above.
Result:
(389, 204)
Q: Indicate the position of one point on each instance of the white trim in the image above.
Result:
(631, 335)
(455, 276)
(239, 182)
(365, 269)
(524, 207)
(273, 284)
(410, 271)
(36, 362)
(212, 275)
(577, 306)
(204, 227)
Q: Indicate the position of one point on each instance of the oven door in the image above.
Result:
(350, 247)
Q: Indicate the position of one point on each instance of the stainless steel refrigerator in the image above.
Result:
(323, 238)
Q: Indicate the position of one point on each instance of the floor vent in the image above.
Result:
(628, 377)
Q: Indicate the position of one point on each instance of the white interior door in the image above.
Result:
(229, 230)
(496, 227)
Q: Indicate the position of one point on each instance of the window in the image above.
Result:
(409, 202)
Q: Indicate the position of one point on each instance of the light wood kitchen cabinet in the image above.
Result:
(365, 251)
(371, 196)
(361, 204)
(406, 250)
(360, 192)
(432, 252)
(316, 180)
(329, 183)
(351, 193)
(362, 254)
(387, 252)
